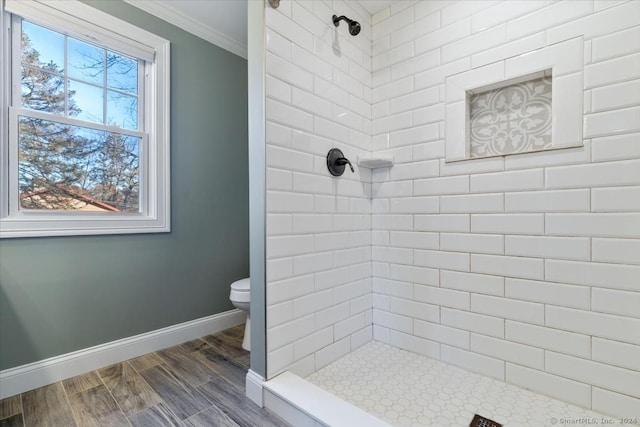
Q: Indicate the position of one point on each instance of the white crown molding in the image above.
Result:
(191, 25)
(28, 377)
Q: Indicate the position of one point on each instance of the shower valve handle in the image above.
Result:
(336, 162)
(341, 161)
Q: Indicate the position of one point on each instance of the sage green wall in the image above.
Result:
(59, 295)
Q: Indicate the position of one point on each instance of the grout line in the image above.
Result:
(66, 395)
(111, 394)
(20, 412)
(21, 406)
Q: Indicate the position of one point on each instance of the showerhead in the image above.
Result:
(354, 26)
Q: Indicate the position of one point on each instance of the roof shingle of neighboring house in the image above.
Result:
(46, 198)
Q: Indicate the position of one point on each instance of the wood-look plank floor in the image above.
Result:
(199, 383)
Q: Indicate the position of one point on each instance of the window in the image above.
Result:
(85, 123)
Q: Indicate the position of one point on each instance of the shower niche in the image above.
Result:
(523, 104)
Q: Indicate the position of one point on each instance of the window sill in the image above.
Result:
(58, 225)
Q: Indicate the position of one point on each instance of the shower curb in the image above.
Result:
(302, 403)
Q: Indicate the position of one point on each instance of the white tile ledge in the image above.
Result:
(375, 162)
(318, 403)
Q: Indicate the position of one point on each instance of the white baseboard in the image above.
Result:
(254, 388)
(28, 377)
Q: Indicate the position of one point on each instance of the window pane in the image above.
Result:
(86, 62)
(42, 91)
(72, 168)
(122, 73)
(122, 110)
(42, 48)
(86, 102)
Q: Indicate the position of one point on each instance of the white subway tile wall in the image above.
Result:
(524, 268)
(319, 304)
(553, 238)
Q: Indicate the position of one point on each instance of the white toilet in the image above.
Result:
(240, 297)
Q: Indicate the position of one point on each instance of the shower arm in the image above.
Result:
(337, 19)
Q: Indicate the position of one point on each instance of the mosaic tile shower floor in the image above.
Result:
(407, 389)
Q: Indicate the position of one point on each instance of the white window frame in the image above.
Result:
(82, 21)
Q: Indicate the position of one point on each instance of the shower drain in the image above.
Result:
(480, 421)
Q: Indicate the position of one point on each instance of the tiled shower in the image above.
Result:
(522, 267)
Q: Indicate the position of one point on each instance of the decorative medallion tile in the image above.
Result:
(512, 119)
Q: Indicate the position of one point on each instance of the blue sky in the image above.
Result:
(85, 63)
